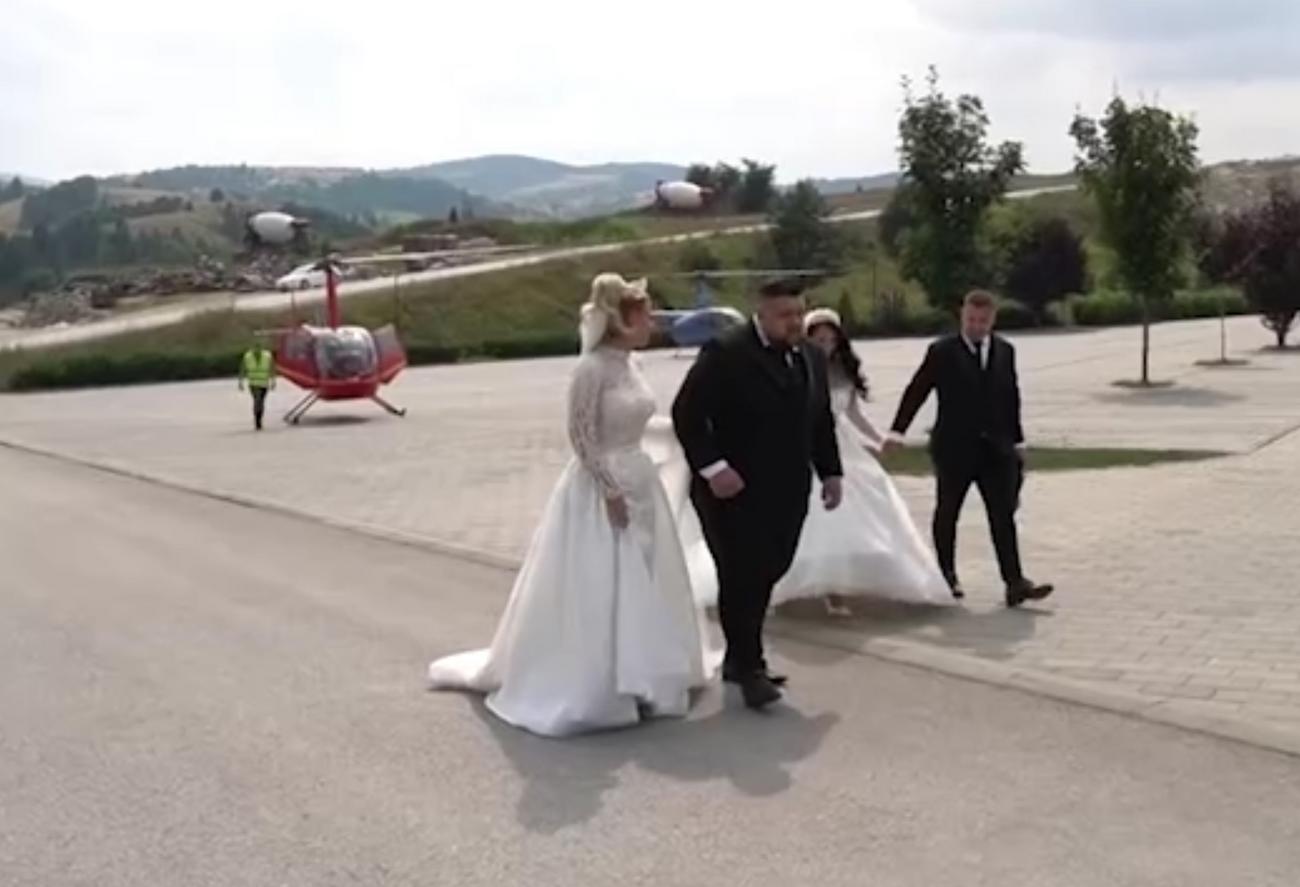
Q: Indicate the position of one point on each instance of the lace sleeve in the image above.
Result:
(584, 422)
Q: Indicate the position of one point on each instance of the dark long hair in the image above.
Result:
(846, 360)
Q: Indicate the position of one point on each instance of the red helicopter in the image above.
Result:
(337, 362)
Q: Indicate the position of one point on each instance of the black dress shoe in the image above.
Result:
(1027, 591)
(732, 676)
(759, 692)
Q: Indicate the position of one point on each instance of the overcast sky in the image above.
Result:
(126, 85)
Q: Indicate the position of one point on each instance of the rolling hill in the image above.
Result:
(548, 188)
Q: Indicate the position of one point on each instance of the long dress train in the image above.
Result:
(601, 628)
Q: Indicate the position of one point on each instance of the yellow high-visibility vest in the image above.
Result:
(258, 368)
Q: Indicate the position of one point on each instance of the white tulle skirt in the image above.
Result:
(601, 628)
(868, 547)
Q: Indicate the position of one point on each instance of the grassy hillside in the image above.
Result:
(550, 188)
(531, 310)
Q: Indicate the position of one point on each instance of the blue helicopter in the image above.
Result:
(692, 327)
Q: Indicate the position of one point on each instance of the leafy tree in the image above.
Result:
(14, 190)
(1140, 166)
(121, 245)
(1045, 262)
(726, 180)
(1259, 248)
(801, 235)
(848, 315)
(216, 195)
(756, 188)
(42, 241)
(895, 220)
(700, 174)
(39, 280)
(952, 177)
(453, 216)
(60, 202)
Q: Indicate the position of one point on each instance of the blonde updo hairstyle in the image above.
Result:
(610, 307)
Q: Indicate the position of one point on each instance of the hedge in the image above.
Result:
(143, 367)
(93, 370)
(56, 371)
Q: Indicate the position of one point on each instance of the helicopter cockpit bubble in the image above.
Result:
(346, 353)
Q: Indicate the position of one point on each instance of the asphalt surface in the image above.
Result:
(195, 693)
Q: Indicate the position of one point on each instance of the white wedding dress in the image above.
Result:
(601, 627)
(868, 547)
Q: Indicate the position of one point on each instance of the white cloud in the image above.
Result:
(132, 84)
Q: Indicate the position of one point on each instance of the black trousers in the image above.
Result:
(259, 404)
(999, 474)
(753, 540)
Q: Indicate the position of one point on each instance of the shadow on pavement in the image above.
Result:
(566, 779)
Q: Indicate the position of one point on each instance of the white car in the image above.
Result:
(301, 278)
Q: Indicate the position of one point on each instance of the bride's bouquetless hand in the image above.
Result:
(617, 507)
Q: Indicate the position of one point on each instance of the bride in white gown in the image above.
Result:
(869, 546)
(601, 628)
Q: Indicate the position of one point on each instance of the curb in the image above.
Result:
(914, 654)
(1168, 712)
(435, 546)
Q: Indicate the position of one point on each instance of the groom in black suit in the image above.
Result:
(977, 439)
(754, 418)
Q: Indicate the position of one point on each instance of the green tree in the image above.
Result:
(801, 235)
(60, 202)
(848, 315)
(1140, 166)
(756, 188)
(216, 195)
(726, 180)
(14, 190)
(952, 176)
(121, 245)
(700, 174)
(895, 220)
(453, 216)
(1044, 262)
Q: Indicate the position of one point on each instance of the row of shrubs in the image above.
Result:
(105, 369)
(144, 367)
(1099, 309)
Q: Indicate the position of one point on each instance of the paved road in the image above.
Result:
(154, 318)
(200, 694)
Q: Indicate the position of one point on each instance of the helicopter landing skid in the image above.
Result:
(295, 414)
(396, 411)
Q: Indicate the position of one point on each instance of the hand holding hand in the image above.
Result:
(727, 484)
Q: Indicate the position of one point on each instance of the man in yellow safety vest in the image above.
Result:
(257, 370)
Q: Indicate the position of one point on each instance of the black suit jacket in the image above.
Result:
(741, 403)
(975, 404)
